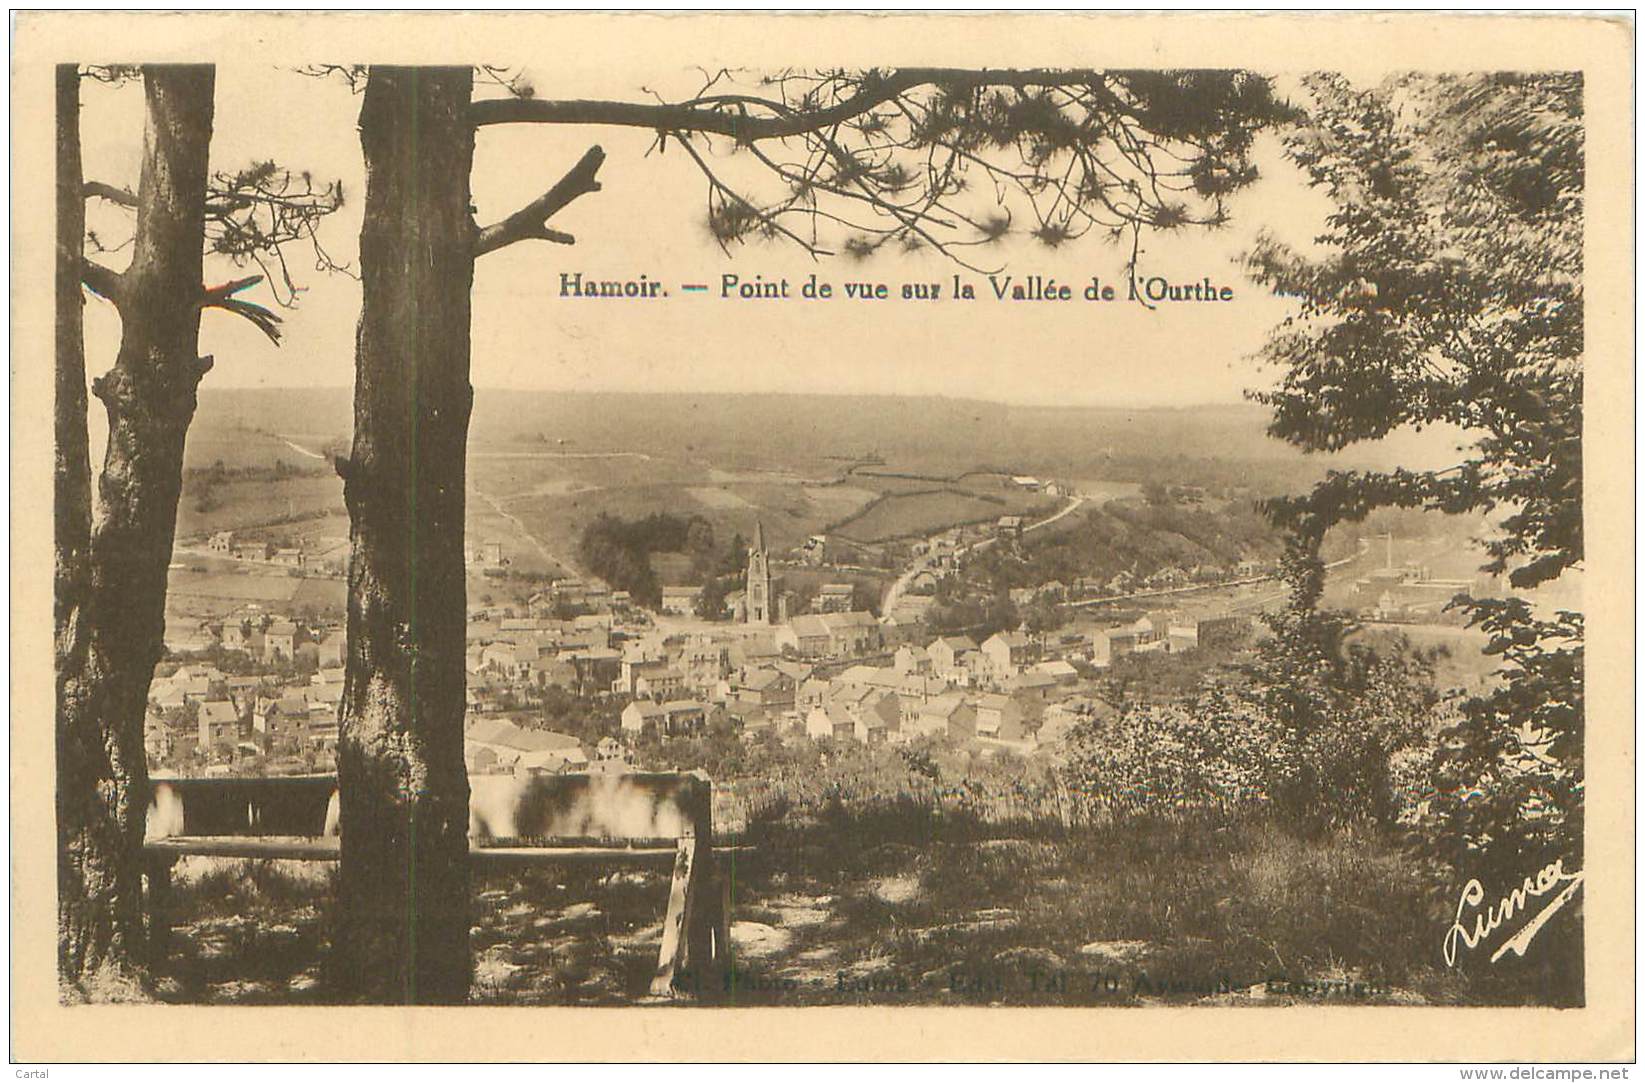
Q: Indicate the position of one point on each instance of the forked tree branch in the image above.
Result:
(103, 281)
(531, 221)
(223, 297)
(110, 284)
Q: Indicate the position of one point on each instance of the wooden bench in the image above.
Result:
(602, 819)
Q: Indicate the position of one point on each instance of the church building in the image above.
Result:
(762, 601)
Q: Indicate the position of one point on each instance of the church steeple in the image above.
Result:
(757, 596)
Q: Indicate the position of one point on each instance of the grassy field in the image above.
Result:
(891, 906)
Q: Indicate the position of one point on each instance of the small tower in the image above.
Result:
(757, 598)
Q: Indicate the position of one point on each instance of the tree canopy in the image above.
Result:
(1447, 290)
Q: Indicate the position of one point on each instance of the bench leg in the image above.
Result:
(671, 957)
(722, 917)
(710, 948)
(157, 871)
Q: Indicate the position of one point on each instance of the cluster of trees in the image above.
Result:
(587, 718)
(619, 550)
(959, 609)
(1126, 536)
(1450, 291)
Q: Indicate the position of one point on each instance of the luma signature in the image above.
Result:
(1485, 923)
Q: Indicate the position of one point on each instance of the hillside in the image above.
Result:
(869, 468)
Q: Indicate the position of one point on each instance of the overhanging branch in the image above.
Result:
(531, 221)
(103, 281)
(124, 197)
(731, 116)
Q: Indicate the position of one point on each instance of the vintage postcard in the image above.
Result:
(959, 537)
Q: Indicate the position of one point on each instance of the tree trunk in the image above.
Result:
(149, 396)
(404, 886)
(72, 473)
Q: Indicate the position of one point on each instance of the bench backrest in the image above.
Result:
(503, 809)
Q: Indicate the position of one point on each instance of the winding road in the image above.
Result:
(899, 587)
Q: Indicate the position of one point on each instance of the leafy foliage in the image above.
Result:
(619, 550)
(1317, 737)
(1450, 292)
(843, 160)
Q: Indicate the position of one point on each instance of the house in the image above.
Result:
(158, 742)
(221, 542)
(1025, 481)
(498, 744)
(281, 722)
(553, 671)
(949, 657)
(660, 684)
(1031, 684)
(831, 635)
(280, 640)
(329, 694)
(834, 598)
(637, 666)
(1159, 624)
(642, 716)
(1007, 653)
(682, 716)
(236, 635)
(807, 635)
(704, 665)
(287, 558)
(830, 721)
(321, 728)
(597, 668)
(333, 649)
(1182, 636)
(674, 718)
(219, 724)
(1001, 718)
(764, 687)
(680, 601)
(852, 633)
(1059, 671)
(947, 715)
(1108, 644)
(902, 625)
(243, 691)
(257, 551)
(911, 658)
(1009, 527)
(878, 717)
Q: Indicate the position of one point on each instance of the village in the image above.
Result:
(256, 691)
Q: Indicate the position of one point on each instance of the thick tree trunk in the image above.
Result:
(72, 474)
(71, 479)
(404, 789)
(149, 396)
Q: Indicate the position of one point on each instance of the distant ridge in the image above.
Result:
(766, 429)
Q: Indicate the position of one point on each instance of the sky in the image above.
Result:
(649, 219)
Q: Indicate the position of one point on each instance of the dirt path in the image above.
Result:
(299, 448)
(496, 505)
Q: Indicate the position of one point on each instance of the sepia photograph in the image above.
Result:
(902, 528)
